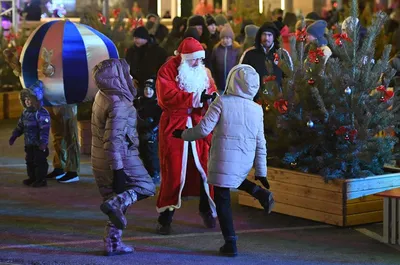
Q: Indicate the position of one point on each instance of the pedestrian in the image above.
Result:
(224, 57)
(184, 87)
(316, 35)
(237, 143)
(148, 119)
(34, 123)
(120, 175)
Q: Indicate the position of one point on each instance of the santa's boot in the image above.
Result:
(264, 197)
(113, 244)
(117, 205)
(229, 248)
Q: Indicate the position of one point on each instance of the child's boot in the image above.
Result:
(40, 174)
(229, 248)
(116, 206)
(113, 244)
(31, 175)
(264, 197)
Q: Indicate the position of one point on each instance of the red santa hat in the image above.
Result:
(190, 49)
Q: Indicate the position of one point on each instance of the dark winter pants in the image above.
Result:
(36, 162)
(148, 151)
(222, 198)
(165, 217)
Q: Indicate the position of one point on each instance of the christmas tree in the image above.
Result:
(326, 116)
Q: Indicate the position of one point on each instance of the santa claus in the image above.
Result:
(184, 88)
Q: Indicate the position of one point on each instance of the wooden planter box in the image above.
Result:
(338, 202)
(10, 106)
(85, 136)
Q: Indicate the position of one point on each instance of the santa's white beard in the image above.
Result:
(192, 79)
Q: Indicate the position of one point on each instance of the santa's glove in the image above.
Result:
(12, 139)
(204, 97)
(214, 96)
(263, 181)
(119, 180)
(177, 133)
(43, 147)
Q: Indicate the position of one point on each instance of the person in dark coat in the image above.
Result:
(149, 114)
(155, 28)
(200, 24)
(240, 38)
(171, 42)
(263, 53)
(224, 57)
(144, 58)
(34, 123)
(33, 11)
(212, 28)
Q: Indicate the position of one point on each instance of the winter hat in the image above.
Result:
(279, 24)
(313, 16)
(227, 32)
(191, 32)
(270, 27)
(317, 29)
(151, 82)
(220, 20)
(210, 20)
(349, 22)
(251, 31)
(196, 21)
(190, 49)
(141, 32)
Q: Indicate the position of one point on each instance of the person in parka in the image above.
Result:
(120, 175)
(237, 143)
(34, 123)
(149, 114)
(174, 38)
(266, 47)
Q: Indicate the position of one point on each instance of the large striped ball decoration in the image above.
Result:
(62, 55)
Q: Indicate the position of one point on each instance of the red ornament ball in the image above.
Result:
(311, 81)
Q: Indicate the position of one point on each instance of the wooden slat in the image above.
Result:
(365, 199)
(393, 220)
(358, 194)
(364, 218)
(363, 207)
(305, 202)
(388, 181)
(302, 179)
(313, 193)
(1, 106)
(386, 219)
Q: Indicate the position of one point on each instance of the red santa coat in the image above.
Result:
(181, 173)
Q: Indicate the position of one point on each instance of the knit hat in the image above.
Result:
(251, 31)
(141, 32)
(191, 32)
(220, 20)
(210, 20)
(349, 23)
(313, 16)
(196, 21)
(227, 32)
(151, 82)
(317, 30)
(190, 49)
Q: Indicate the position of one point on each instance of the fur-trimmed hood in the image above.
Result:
(35, 93)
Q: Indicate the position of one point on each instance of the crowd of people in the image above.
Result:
(179, 108)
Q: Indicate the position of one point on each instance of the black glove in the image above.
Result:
(12, 139)
(204, 97)
(263, 181)
(177, 133)
(119, 180)
(43, 147)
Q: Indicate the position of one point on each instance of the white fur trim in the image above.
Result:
(196, 102)
(189, 124)
(176, 53)
(193, 55)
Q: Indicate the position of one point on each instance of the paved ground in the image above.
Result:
(62, 224)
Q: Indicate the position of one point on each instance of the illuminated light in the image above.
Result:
(261, 6)
(335, 5)
(159, 8)
(283, 4)
(179, 7)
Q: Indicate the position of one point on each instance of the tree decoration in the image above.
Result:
(340, 37)
(311, 81)
(281, 105)
(276, 58)
(314, 54)
(347, 91)
(301, 35)
(387, 95)
(102, 19)
(310, 124)
(268, 79)
(349, 134)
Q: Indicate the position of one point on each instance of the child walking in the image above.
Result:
(149, 114)
(34, 123)
(238, 142)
